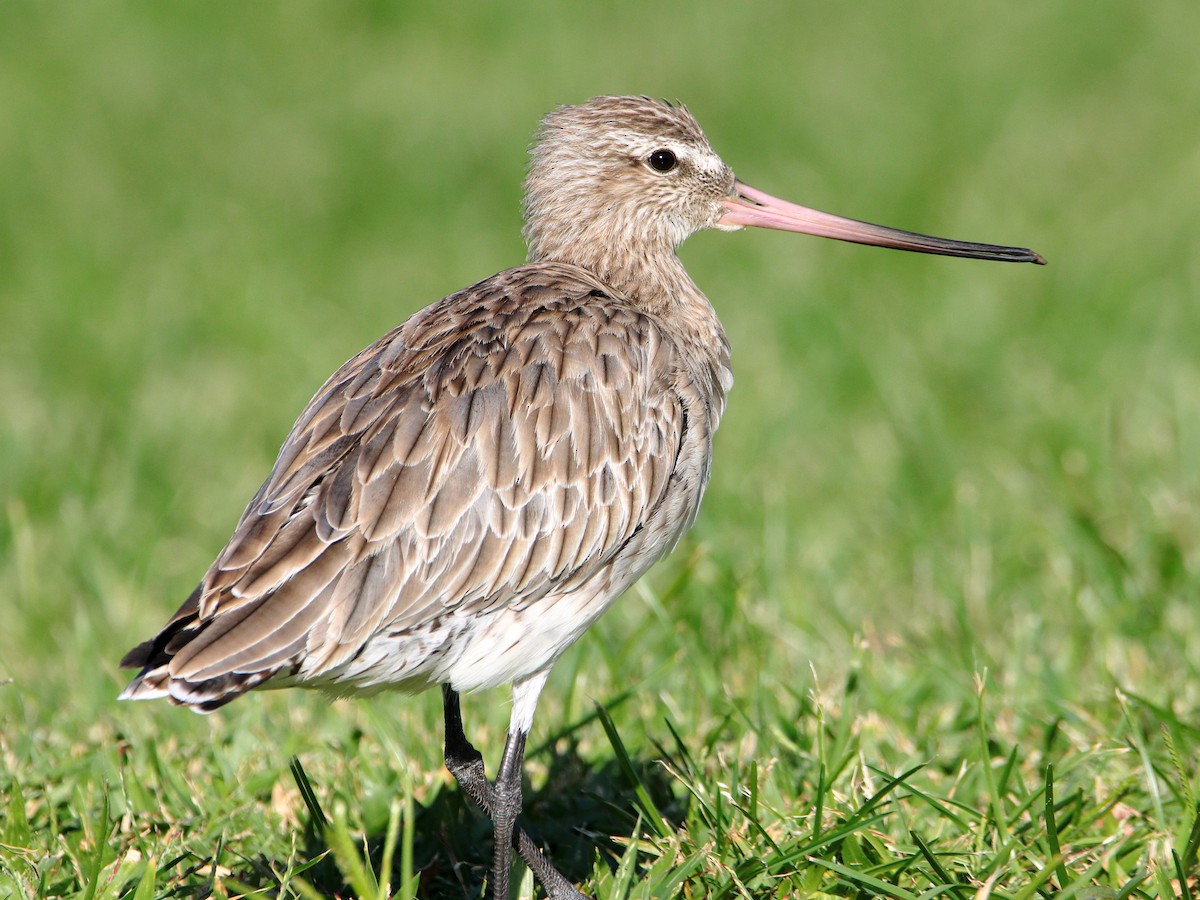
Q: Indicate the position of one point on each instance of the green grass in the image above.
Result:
(934, 633)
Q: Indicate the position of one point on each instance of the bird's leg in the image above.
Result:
(462, 759)
(506, 805)
(466, 765)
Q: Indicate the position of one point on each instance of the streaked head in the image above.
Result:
(634, 176)
(625, 170)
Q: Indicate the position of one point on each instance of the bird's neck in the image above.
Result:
(655, 281)
(662, 287)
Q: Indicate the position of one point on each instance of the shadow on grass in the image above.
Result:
(573, 817)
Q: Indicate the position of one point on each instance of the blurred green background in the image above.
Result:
(930, 468)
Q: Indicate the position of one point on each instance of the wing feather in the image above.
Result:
(500, 446)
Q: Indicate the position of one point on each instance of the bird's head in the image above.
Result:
(635, 177)
(625, 170)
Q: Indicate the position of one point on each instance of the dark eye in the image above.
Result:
(662, 160)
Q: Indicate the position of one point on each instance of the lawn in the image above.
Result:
(933, 634)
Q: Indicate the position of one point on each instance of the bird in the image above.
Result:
(465, 497)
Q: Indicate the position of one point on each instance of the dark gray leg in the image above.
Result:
(506, 805)
(466, 765)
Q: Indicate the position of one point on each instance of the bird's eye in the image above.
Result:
(662, 160)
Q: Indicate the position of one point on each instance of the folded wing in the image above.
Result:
(502, 445)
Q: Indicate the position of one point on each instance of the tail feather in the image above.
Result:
(156, 681)
(139, 656)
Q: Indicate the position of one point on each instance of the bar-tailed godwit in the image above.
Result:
(461, 500)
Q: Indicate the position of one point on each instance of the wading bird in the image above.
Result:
(466, 496)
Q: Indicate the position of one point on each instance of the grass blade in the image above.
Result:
(389, 847)
(1052, 829)
(857, 877)
(1185, 888)
(934, 863)
(96, 861)
(649, 808)
(148, 882)
(349, 861)
(627, 867)
(318, 819)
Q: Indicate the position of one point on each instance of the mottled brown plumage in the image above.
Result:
(509, 446)
(462, 499)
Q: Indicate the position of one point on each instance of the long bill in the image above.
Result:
(749, 206)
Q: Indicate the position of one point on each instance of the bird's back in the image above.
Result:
(493, 471)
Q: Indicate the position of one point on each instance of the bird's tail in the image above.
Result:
(156, 680)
